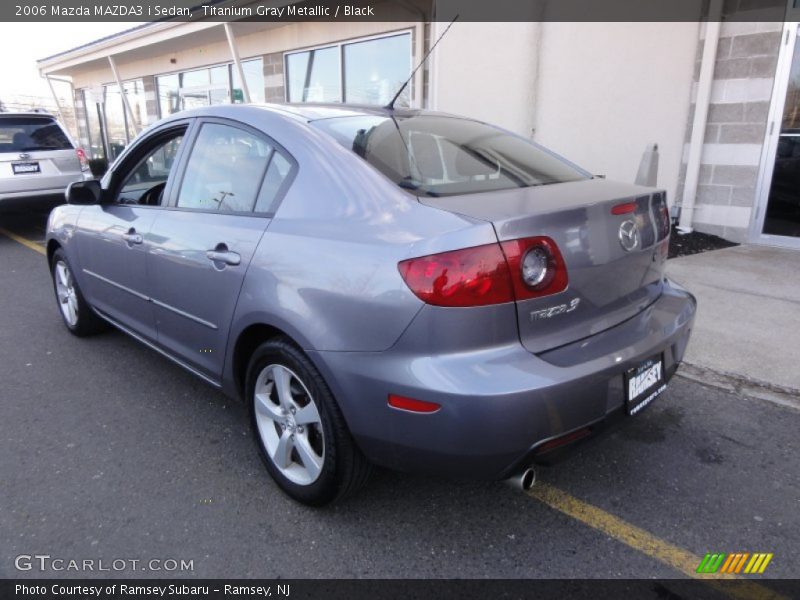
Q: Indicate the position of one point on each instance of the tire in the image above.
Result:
(78, 316)
(306, 447)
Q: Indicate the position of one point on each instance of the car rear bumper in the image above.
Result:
(498, 404)
(50, 192)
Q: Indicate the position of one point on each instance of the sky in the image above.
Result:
(21, 44)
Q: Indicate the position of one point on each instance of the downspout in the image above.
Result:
(433, 71)
(236, 61)
(538, 32)
(702, 102)
(122, 93)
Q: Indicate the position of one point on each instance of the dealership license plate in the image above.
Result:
(25, 168)
(644, 383)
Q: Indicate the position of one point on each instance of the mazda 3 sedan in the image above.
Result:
(404, 288)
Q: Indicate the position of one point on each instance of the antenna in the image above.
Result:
(422, 62)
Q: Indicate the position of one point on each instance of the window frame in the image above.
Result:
(339, 45)
(133, 155)
(172, 200)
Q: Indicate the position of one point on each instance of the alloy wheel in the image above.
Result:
(289, 424)
(67, 294)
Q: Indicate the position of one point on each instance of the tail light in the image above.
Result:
(537, 266)
(82, 158)
(661, 213)
(488, 274)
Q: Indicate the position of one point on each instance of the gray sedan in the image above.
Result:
(395, 287)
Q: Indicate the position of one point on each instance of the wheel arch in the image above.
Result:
(250, 338)
(52, 246)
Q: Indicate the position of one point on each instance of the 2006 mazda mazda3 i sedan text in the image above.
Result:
(381, 286)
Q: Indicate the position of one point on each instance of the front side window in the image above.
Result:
(225, 170)
(144, 184)
(444, 156)
(30, 134)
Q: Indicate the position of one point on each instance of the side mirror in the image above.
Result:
(98, 167)
(84, 192)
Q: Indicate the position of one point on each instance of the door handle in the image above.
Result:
(132, 237)
(221, 254)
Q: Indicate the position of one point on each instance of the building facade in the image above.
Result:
(598, 93)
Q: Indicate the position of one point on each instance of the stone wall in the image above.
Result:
(274, 90)
(744, 74)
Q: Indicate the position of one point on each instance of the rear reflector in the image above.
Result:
(574, 436)
(624, 209)
(412, 405)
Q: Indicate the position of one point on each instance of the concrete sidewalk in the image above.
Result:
(748, 315)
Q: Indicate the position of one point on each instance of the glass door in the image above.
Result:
(779, 221)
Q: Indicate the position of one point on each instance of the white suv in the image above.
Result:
(37, 156)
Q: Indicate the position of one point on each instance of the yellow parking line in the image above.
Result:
(25, 242)
(679, 559)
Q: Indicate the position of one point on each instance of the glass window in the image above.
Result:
(254, 76)
(278, 171)
(375, 69)
(146, 181)
(219, 75)
(134, 91)
(93, 112)
(225, 169)
(168, 94)
(443, 156)
(194, 78)
(313, 76)
(27, 134)
(116, 127)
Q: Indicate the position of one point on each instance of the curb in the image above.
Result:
(744, 386)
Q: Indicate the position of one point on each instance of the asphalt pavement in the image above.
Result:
(109, 451)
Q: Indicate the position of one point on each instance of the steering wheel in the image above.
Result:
(152, 197)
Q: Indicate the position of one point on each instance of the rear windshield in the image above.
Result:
(444, 156)
(27, 134)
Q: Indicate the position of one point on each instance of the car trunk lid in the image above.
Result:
(611, 279)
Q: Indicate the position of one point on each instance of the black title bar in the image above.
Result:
(393, 589)
(398, 10)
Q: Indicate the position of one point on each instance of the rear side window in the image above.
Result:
(225, 170)
(443, 156)
(277, 174)
(30, 134)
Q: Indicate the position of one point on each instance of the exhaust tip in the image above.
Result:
(524, 480)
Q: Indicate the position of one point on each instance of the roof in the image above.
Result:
(97, 41)
(315, 111)
(27, 113)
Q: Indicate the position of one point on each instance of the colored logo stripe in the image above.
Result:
(734, 563)
(758, 563)
(710, 563)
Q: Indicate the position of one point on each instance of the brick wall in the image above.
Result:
(744, 74)
(150, 99)
(273, 77)
(80, 118)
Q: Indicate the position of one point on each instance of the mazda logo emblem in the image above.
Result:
(629, 235)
